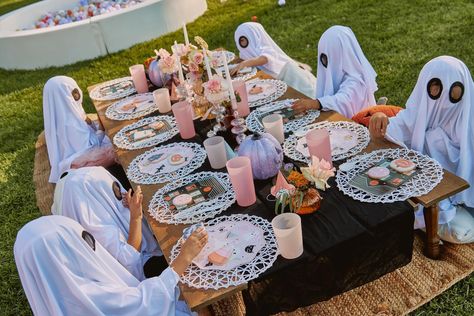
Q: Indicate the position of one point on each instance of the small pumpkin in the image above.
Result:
(265, 153)
(157, 77)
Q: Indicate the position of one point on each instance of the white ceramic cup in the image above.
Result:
(215, 148)
(273, 124)
(289, 236)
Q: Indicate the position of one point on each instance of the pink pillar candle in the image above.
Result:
(240, 172)
(183, 113)
(319, 144)
(139, 78)
(241, 90)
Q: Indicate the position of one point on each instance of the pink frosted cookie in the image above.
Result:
(182, 200)
(402, 165)
(219, 257)
(256, 90)
(157, 125)
(378, 172)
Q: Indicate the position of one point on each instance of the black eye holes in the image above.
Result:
(435, 88)
(89, 239)
(117, 191)
(323, 58)
(243, 42)
(76, 94)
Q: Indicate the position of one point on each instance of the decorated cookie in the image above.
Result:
(220, 257)
(176, 159)
(139, 135)
(182, 200)
(256, 90)
(402, 165)
(378, 172)
(157, 125)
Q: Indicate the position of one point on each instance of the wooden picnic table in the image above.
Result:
(168, 235)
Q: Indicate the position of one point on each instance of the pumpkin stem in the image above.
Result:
(256, 136)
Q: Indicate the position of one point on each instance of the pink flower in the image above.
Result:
(319, 172)
(168, 64)
(182, 50)
(163, 53)
(193, 67)
(197, 57)
(213, 85)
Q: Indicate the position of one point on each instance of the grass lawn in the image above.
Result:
(398, 38)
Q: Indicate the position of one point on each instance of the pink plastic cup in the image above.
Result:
(139, 78)
(319, 144)
(241, 90)
(183, 113)
(240, 172)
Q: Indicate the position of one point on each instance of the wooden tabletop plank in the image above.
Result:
(168, 235)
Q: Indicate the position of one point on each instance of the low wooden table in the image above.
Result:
(168, 235)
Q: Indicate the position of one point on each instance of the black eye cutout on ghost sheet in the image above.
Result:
(243, 42)
(117, 191)
(76, 94)
(456, 92)
(63, 175)
(323, 58)
(434, 88)
(90, 240)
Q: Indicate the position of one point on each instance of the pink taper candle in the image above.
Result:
(319, 144)
(139, 78)
(240, 171)
(183, 113)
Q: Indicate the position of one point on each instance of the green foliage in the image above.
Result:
(398, 37)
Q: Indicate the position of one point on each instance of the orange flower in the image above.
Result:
(297, 179)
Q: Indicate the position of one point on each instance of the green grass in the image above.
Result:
(398, 37)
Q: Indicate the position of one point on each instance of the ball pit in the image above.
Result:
(24, 48)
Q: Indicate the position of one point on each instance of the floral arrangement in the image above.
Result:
(295, 192)
(318, 172)
(167, 62)
(84, 10)
(216, 90)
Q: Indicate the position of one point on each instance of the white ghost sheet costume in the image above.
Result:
(87, 196)
(346, 80)
(64, 271)
(443, 128)
(68, 136)
(279, 64)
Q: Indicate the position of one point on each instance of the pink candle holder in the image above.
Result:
(289, 235)
(241, 90)
(139, 78)
(183, 113)
(240, 172)
(319, 144)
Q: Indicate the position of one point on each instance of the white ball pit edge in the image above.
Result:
(97, 36)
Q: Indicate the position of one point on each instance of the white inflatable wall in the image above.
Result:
(97, 36)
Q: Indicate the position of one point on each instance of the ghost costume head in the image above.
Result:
(65, 271)
(253, 41)
(93, 197)
(67, 134)
(439, 121)
(340, 58)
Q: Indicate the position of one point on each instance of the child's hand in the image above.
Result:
(189, 250)
(303, 105)
(125, 200)
(135, 203)
(234, 71)
(378, 125)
